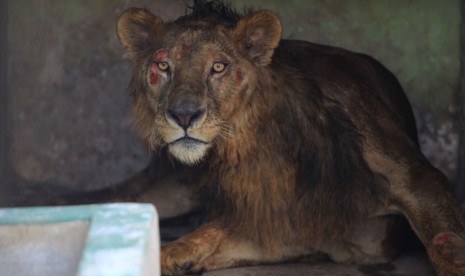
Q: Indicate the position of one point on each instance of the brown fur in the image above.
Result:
(297, 147)
(243, 159)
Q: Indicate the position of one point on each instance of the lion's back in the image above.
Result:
(358, 82)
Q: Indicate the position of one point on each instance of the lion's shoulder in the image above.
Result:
(352, 79)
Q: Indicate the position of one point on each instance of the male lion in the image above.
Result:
(297, 149)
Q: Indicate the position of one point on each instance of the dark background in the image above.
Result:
(64, 109)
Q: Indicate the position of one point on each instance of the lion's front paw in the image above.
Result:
(180, 258)
(448, 254)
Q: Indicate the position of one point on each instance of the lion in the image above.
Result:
(295, 149)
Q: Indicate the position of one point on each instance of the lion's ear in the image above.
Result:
(258, 34)
(139, 30)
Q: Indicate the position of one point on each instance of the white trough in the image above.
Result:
(89, 240)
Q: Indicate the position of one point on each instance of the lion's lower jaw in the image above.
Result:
(189, 153)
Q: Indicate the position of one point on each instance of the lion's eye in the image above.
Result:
(163, 66)
(218, 67)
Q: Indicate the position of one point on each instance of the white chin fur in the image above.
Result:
(187, 152)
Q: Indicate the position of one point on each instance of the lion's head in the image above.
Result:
(193, 75)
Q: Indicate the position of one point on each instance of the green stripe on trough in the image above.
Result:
(123, 239)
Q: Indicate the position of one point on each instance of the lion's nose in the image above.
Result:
(185, 113)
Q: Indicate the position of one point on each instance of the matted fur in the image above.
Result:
(295, 145)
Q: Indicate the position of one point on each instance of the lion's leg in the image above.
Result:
(210, 248)
(421, 193)
(161, 183)
(372, 241)
(172, 197)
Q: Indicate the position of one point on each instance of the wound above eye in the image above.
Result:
(160, 55)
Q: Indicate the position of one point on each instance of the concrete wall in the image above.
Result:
(68, 112)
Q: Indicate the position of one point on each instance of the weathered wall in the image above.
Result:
(68, 111)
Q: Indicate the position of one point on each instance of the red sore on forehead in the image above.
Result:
(160, 55)
(185, 48)
(182, 51)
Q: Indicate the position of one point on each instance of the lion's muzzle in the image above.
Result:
(185, 112)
